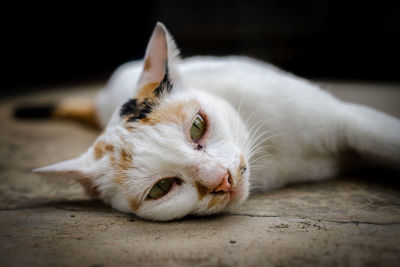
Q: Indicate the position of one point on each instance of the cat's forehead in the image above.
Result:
(177, 112)
(164, 128)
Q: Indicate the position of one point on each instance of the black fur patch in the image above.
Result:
(28, 111)
(135, 110)
(165, 84)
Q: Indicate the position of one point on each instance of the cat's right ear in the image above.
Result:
(159, 62)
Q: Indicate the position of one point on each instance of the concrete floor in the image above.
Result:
(353, 220)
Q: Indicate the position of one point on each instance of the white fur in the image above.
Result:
(306, 125)
(288, 129)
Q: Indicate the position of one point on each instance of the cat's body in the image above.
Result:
(302, 131)
(207, 123)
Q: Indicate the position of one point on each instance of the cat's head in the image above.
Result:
(169, 151)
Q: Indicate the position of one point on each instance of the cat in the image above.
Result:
(193, 136)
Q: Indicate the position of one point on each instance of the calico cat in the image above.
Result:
(192, 136)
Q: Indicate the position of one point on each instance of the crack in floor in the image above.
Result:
(288, 219)
(291, 219)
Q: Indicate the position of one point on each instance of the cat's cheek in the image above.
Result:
(241, 194)
(120, 203)
(177, 205)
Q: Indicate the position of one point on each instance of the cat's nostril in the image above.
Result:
(225, 185)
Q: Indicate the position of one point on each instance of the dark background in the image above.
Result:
(60, 44)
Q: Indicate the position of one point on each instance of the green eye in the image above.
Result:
(198, 128)
(161, 188)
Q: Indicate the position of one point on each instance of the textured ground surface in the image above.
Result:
(353, 220)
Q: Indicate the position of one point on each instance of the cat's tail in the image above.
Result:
(78, 109)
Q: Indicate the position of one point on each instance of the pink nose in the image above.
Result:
(225, 185)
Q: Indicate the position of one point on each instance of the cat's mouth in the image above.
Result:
(225, 192)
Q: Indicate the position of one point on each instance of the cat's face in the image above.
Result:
(162, 167)
(169, 151)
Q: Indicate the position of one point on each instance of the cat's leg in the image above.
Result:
(373, 134)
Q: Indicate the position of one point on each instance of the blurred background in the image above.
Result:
(319, 39)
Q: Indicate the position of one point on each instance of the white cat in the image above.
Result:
(190, 136)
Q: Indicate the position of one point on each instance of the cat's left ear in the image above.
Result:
(159, 68)
(82, 169)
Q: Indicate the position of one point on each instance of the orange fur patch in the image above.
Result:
(78, 109)
(171, 113)
(146, 91)
(101, 148)
(202, 190)
(134, 204)
(123, 164)
(241, 169)
(147, 64)
(242, 161)
(120, 178)
(90, 189)
(242, 166)
(129, 127)
(215, 200)
(125, 161)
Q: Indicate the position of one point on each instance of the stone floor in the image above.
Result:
(353, 220)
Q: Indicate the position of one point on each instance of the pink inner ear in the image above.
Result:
(155, 58)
